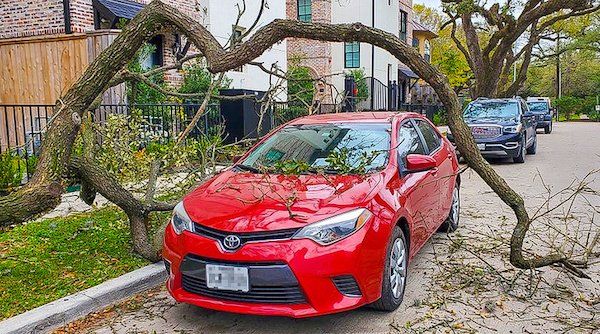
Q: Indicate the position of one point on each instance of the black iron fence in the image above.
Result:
(22, 128)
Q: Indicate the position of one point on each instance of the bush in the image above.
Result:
(10, 174)
(439, 118)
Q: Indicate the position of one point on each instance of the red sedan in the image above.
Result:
(321, 216)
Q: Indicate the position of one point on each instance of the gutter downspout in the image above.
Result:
(67, 15)
(372, 57)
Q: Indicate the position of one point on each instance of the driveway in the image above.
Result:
(457, 283)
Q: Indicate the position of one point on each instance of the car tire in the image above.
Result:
(392, 295)
(451, 223)
(533, 148)
(522, 152)
(548, 128)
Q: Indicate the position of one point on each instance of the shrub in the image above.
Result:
(439, 118)
(10, 174)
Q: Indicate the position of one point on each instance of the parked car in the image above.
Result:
(332, 237)
(543, 111)
(502, 128)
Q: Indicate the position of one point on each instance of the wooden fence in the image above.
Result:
(37, 70)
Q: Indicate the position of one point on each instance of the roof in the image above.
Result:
(408, 73)
(125, 9)
(418, 27)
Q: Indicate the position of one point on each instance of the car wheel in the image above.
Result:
(548, 128)
(522, 152)
(533, 148)
(451, 223)
(394, 273)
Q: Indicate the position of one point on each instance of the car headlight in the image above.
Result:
(336, 228)
(180, 219)
(513, 129)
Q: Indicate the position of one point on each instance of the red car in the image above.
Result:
(321, 216)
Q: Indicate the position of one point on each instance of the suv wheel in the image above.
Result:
(522, 152)
(548, 128)
(394, 273)
(533, 148)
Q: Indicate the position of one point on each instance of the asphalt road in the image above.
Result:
(569, 153)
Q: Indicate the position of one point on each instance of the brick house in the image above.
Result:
(49, 43)
(332, 61)
(45, 46)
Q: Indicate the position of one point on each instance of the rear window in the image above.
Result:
(325, 146)
(538, 106)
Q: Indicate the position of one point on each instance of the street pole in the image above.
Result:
(373, 58)
(558, 75)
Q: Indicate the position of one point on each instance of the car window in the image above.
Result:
(538, 106)
(321, 145)
(492, 109)
(430, 135)
(409, 141)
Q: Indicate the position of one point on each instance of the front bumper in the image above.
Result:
(302, 269)
(504, 146)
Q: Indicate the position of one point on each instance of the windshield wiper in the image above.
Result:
(248, 168)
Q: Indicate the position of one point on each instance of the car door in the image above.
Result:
(417, 190)
(442, 176)
(529, 122)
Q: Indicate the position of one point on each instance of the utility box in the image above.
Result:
(241, 115)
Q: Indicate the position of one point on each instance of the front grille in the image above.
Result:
(486, 131)
(347, 285)
(257, 294)
(244, 236)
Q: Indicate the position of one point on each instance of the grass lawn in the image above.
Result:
(47, 260)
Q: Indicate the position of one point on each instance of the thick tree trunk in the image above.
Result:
(156, 16)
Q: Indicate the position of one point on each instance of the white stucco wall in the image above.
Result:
(386, 18)
(222, 15)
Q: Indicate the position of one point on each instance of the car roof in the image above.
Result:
(504, 99)
(354, 117)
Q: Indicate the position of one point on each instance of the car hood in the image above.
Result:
(494, 121)
(246, 202)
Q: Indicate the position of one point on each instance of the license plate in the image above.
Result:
(231, 278)
(481, 147)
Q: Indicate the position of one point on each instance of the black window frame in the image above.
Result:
(355, 61)
(402, 158)
(306, 17)
(424, 141)
(403, 31)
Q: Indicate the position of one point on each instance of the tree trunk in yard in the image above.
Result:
(43, 191)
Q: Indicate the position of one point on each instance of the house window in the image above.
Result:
(352, 55)
(415, 43)
(427, 53)
(304, 10)
(155, 57)
(403, 25)
(236, 39)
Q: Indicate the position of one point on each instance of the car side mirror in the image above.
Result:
(236, 158)
(419, 163)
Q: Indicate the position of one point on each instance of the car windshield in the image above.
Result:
(343, 148)
(538, 106)
(491, 109)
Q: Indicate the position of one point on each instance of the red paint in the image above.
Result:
(228, 203)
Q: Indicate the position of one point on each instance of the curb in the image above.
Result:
(65, 310)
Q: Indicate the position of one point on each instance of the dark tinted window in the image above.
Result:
(409, 141)
(431, 137)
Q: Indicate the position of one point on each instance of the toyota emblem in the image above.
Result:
(232, 242)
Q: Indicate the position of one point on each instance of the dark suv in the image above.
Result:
(502, 127)
(540, 107)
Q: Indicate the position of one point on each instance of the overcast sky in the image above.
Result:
(430, 3)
